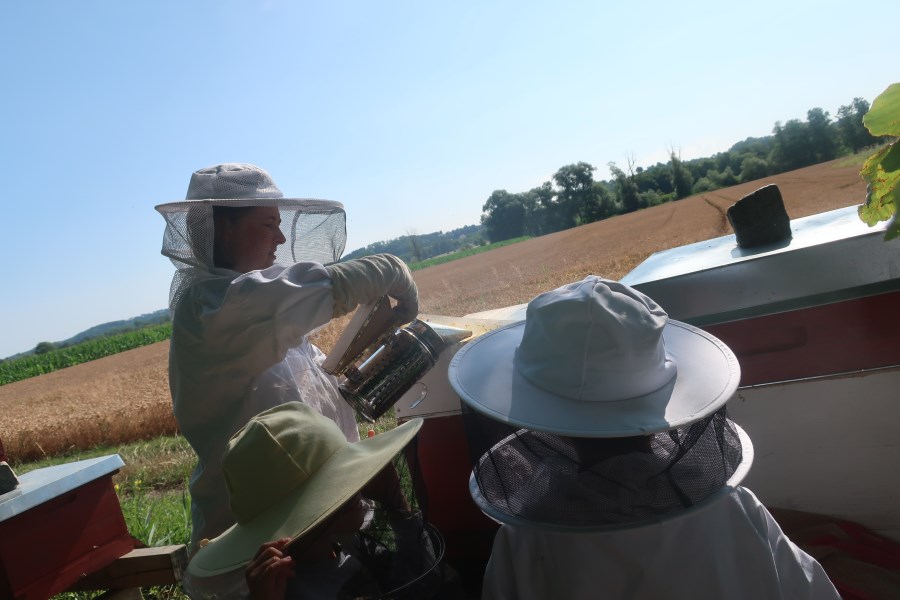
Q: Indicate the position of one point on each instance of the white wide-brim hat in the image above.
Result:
(595, 358)
(287, 471)
(239, 184)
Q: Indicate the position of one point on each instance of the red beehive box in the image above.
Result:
(60, 524)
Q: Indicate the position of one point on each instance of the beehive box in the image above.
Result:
(60, 524)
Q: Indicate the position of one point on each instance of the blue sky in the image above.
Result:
(410, 113)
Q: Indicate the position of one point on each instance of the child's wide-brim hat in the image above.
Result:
(595, 358)
(287, 471)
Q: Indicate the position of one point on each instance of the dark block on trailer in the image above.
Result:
(759, 218)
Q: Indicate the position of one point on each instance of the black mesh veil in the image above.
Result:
(551, 481)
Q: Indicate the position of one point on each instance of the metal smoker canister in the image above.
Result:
(404, 357)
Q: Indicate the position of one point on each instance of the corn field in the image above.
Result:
(30, 366)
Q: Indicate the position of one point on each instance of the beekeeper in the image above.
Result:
(620, 475)
(256, 274)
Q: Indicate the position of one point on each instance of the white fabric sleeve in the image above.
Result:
(362, 280)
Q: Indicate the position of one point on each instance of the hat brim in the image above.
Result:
(484, 376)
(501, 516)
(300, 203)
(342, 476)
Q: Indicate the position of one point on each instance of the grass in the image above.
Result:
(856, 160)
(152, 490)
(153, 493)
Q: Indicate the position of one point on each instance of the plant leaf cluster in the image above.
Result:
(882, 169)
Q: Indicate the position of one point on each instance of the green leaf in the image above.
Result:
(883, 117)
(893, 229)
(882, 172)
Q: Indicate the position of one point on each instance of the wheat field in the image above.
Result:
(125, 397)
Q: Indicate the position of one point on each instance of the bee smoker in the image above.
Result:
(381, 361)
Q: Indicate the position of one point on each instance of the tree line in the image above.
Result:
(415, 247)
(574, 198)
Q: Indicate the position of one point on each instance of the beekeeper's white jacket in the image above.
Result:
(239, 347)
(729, 547)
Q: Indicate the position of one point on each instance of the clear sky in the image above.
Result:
(410, 113)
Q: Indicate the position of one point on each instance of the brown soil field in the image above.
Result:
(126, 397)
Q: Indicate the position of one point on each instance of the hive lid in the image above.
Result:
(42, 485)
(833, 256)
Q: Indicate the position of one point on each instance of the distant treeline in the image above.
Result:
(112, 328)
(574, 198)
(417, 247)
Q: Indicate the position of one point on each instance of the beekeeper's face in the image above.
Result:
(248, 242)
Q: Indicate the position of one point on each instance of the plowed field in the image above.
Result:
(126, 396)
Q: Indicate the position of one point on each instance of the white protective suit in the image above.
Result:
(239, 347)
(239, 340)
(728, 546)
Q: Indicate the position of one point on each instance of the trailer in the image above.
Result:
(813, 322)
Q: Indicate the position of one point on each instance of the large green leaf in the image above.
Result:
(882, 171)
(883, 117)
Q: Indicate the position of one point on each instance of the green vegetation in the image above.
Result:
(416, 247)
(152, 490)
(573, 197)
(882, 169)
(50, 359)
(438, 260)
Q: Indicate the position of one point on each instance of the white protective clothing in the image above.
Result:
(729, 546)
(366, 279)
(239, 347)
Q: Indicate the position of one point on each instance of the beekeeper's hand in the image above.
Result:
(363, 280)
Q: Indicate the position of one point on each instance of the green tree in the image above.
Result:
(753, 167)
(850, 123)
(726, 178)
(626, 188)
(504, 216)
(822, 135)
(542, 212)
(791, 148)
(44, 347)
(682, 180)
(575, 185)
(704, 184)
(415, 244)
(661, 176)
(601, 205)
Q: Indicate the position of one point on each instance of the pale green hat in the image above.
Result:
(287, 471)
